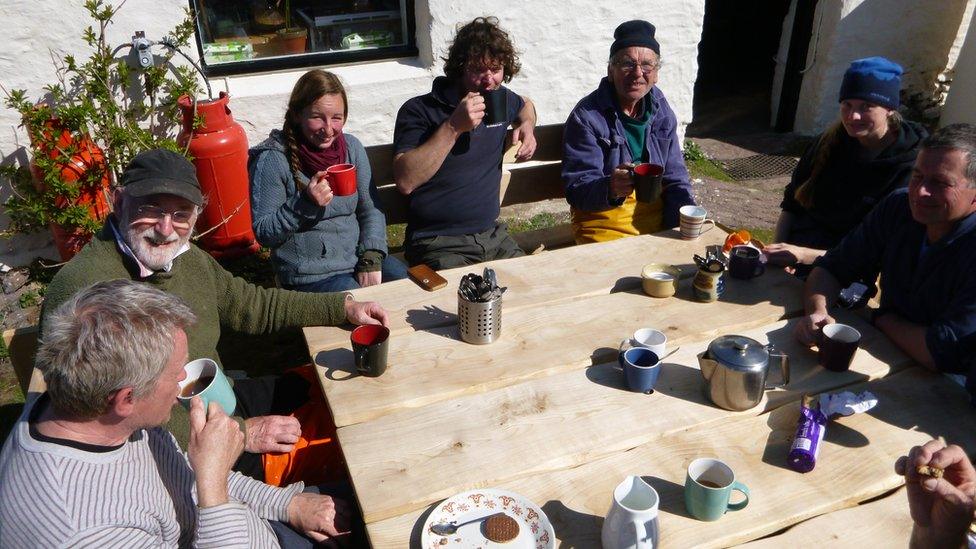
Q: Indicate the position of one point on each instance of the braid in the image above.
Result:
(292, 148)
(829, 141)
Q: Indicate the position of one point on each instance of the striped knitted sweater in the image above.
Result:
(141, 494)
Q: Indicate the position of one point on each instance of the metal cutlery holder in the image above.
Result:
(480, 322)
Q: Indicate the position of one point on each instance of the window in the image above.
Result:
(241, 36)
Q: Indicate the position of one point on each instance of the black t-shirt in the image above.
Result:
(462, 196)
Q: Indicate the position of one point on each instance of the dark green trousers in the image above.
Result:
(445, 252)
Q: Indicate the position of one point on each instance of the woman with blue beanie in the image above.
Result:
(864, 156)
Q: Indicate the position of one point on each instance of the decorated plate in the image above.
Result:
(470, 509)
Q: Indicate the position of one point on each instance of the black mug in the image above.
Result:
(370, 343)
(647, 181)
(745, 262)
(496, 106)
(836, 346)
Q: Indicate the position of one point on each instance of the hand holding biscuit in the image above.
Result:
(941, 485)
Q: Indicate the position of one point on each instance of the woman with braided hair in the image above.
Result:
(320, 242)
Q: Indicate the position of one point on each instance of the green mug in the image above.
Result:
(708, 489)
(205, 380)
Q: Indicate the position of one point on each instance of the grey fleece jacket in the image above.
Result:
(310, 243)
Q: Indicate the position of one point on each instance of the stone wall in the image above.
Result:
(924, 37)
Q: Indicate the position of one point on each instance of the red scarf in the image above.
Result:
(314, 159)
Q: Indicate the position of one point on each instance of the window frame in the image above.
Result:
(309, 59)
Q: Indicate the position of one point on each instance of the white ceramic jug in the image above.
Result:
(631, 522)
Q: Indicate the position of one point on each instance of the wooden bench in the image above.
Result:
(522, 183)
(21, 345)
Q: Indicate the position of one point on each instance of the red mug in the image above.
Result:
(342, 179)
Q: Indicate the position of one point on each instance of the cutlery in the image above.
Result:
(448, 528)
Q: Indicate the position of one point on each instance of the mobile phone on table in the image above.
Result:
(426, 277)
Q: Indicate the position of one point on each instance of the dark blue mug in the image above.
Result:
(745, 262)
(641, 367)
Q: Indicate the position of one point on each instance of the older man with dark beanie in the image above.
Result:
(625, 121)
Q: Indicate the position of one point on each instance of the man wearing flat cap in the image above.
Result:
(147, 239)
(624, 122)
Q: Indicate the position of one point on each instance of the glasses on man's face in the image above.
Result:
(178, 217)
(631, 66)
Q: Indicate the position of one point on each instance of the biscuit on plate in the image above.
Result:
(501, 528)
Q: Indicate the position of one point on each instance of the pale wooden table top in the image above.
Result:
(544, 411)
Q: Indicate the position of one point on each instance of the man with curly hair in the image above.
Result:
(448, 161)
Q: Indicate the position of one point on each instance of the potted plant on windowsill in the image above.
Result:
(291, 40)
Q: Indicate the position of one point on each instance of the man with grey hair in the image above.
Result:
(625, 121)
(922, 241)
(87, 463)
(148, 239)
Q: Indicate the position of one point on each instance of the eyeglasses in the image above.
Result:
(149, 211)
(631, 66)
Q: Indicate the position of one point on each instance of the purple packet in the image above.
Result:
(810, 431)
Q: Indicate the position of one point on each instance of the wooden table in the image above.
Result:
(544, 410)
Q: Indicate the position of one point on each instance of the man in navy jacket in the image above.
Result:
(923, 243)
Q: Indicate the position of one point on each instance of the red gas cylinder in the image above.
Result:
(219, 151)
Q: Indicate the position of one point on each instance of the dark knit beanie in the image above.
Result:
(873, 79)
(634, 33)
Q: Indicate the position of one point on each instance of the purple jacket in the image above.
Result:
(594, 144)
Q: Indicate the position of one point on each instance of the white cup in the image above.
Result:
(649, 338)
(693, 222)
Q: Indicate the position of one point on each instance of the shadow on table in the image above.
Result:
(632, 284)
(684, 382)
(782, 290)
(434, 320)
(627, 284)
(782, 423)
(941, 407)
(338, 363)
(575, 529)
(604, 354)
(672, 495)
(418, 527)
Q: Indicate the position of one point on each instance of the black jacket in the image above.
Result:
(849, 186)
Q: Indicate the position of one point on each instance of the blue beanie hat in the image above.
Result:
(634, 33)
(873, 79)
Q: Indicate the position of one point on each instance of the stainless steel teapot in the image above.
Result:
(736, 369)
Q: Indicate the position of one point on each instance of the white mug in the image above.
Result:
(649, 338)
(693, 222)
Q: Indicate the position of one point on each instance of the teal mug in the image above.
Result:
(708, 489)
(206, 380)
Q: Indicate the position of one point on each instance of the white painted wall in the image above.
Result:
(564, 46)
(918, 35)
(959, 106)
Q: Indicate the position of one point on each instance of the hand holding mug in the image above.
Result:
(319, 191)
(807, 330)
(468, 114)
(621, 182)
(215, 444)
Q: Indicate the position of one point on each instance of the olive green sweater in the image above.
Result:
(216, 297)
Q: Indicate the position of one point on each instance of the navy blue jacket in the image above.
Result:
(936, 288)
(594, 144)
(463, 195)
